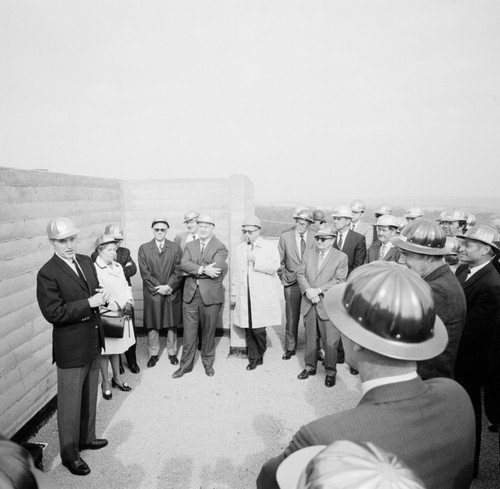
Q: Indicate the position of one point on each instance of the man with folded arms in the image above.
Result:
(69, 297)
(385, 314)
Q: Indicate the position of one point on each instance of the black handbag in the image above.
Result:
(113, 322)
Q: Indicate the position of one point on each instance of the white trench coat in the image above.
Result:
(264, 285)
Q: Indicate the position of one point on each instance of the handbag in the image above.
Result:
(113, 322)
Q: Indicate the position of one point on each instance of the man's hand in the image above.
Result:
(311, 293)
(127, 310)
(212, 271)
(99, 299)
(316, 299)
(164, 289)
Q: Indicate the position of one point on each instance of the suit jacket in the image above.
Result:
(77, 335)
(355, 249)
(211, 289)
(161, 311)
(449, 304)
(333, 271)
(374, 252)
(290, 256)
(428, 425)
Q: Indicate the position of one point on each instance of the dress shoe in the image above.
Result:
(123, 386)
(306, 373)
(321, 358)
(210, 371)
(107, 394)
(330, 380)
(97, 444)
(134, 368)
(253, 364)
(77, 467)
(152, 360)
(340, 357)
(288, 354)
(493, 428)
(178, 374)
(173, 359)
(353, 371)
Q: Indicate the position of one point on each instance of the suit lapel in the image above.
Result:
(69, 272)
(389, 255)
(477, 276)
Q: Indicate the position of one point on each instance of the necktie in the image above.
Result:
(80, 273)
(464, 276)
(382, 252)
(160, 247)
(339, 241)
(202, 248)
(302, 246)
(321, 258)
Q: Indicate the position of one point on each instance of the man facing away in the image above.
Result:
(386, 317)
(69, 297)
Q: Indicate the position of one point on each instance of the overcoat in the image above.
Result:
(264, 285)
(161, 311)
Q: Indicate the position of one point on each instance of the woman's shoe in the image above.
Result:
(123, 387)
(106, 393)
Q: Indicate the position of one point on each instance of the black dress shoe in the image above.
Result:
(152, 360)
(123, 386)
(97, 444)
(493, 428)
(340, 358)
(178, 374)
(330, 380)
(320, 357)
(107, 394)
(173, 359)
(253, 364)
(122, 370)
(77, 467)
(353, 371)
(288, 354)
(134, 368)
(306, 373)
(210, 371)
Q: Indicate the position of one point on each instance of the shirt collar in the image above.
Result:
(476, 269)
(393, 379)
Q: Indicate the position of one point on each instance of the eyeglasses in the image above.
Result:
(321, 238)
(247, 231)
(159, 230)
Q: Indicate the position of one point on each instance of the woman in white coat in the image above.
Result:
(111, 277)
(254, 289)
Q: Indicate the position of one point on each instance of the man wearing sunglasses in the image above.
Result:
(322, 267)
(160, 267)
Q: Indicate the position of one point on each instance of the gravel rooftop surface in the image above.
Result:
(212, 433)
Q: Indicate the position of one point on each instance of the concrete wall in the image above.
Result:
(28, 200)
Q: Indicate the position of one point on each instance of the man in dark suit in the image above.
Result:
(69, 297)
(292, 245)
(321, 268)
(422, 245)
(160, 267)
(383, 249)
(479, 343)
(191, 223)
(204, 260)
(429, 425)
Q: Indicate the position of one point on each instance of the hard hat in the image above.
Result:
(414, 212)
(160, 219)
(358, 206)
(343, 465)
(402, 222)
(303, 213)
(342, 211)
(207, 219)
(61, 227)
(190, 216)
(325, 233)
(471, 219)
(422, 236)
(383, 209)
(484, 234)
(115, 230)
(104, 239)
(387, 220)
(318, 215)
(453, 244)
(252, 221)
(388, 309)
(452, 215)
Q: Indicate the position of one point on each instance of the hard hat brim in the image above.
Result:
(386, 347)
(290, 470)
(304, 218)
(67, 234)
(493, 245)
(416, 248)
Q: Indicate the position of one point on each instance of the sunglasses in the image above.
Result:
(246, 231)
(159, 230)
(321, 238)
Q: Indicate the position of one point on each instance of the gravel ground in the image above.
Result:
(211, 433)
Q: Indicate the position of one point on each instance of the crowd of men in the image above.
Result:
(409, 304)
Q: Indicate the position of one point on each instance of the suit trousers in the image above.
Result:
(207, 316)
(292, 313)
(154, 341)
(256, 342)
(330, 336)
(76, 408)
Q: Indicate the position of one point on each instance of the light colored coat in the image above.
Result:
(264, 285)
(112, 278)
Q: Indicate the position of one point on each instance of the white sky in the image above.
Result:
(311, 99)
